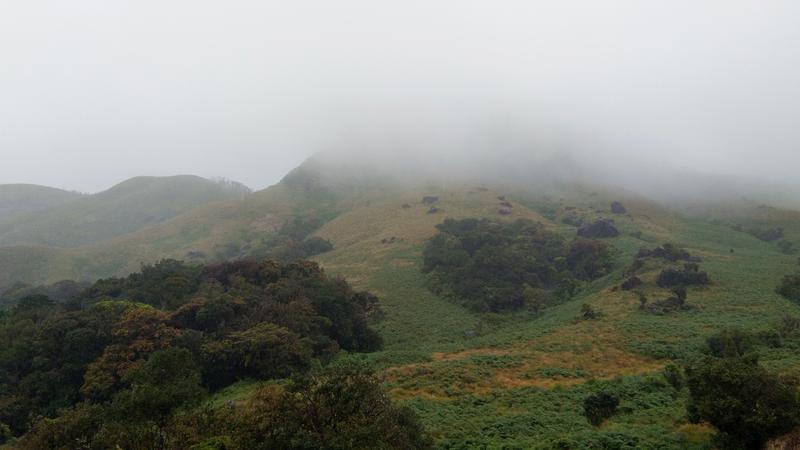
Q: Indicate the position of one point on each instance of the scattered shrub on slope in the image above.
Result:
(489, 264)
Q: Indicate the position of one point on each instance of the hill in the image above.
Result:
(125, 208)
(24, 198)
(502, 380)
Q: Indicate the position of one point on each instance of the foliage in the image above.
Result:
(767, 234)
(190, 329)
(668, 252)
(600, 228)
(493, 266)
(674, 376)
(729, 343)
(618, 208)
(599, 407)
(337, 408)
(690, 274)
(790, 287)
(747, 404)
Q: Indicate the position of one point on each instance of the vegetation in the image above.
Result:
(689, 275)
(747, 404)
(790, 287)
(599, 407)
(126, 355)
(126, 207)
(491, 381)
(497, 266)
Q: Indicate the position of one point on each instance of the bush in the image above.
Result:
(767, 235)
(588, 313)
(600, 228)
(689, 275)
(618, 208)
(599, 407)
(674, 376)
(668, 252)
(790, 287)
(631, 283)
(5, 433)
(786, 247)
(488, 264)
(747, 404)
(729, 343)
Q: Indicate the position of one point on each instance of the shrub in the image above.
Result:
(488, 264)
(676, 302)
(747, 404)
(631, 283)
(790, 287)
(767, 235)
(668, 252)
(618, 208)
(674, 376)
(786, 247)
(599, 407)
(689, 275)
(588, 313)
(600, 228)
(729, 343)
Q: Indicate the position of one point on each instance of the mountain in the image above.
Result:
(510, 379)
(24, 198)
(125, 208)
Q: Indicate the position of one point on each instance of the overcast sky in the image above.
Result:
(93, 92)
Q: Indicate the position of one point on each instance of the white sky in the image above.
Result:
(96, 91)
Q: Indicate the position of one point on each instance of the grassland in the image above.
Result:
(488, 381)
(520, 383)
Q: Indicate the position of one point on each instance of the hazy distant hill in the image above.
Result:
(126, 207)
(24, 198)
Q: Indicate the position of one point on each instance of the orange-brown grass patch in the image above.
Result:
(455, 356)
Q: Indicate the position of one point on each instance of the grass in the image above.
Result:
(521, 382)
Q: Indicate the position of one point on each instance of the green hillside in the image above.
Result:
(214, 231)
(521, 381)
(126, 207)
(500, 380)
(25, 198)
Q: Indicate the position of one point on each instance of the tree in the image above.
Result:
(599, 407)
(168, 380)
(339, 408)
(262, 352)
(790, 287)
(729, 343)
(747, 404)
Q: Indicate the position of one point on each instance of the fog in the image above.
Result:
(93, 92)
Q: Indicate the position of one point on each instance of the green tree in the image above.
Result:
(599, 407)
(747, 404)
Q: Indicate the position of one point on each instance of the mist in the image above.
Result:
(94, 92)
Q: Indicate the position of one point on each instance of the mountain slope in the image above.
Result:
(511, 380)
(126, 207)
(25, 198)
(520, 382)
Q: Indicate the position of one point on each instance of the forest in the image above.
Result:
(134, 362)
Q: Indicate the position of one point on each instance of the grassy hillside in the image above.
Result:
(25, 198)
(495, 381)
(217, 230)
(521, 382)
(127, 207)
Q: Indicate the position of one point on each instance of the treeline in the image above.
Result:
(129, 362)
(501, 266)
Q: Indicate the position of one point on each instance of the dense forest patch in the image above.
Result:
(126, 355)
(499, 266)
